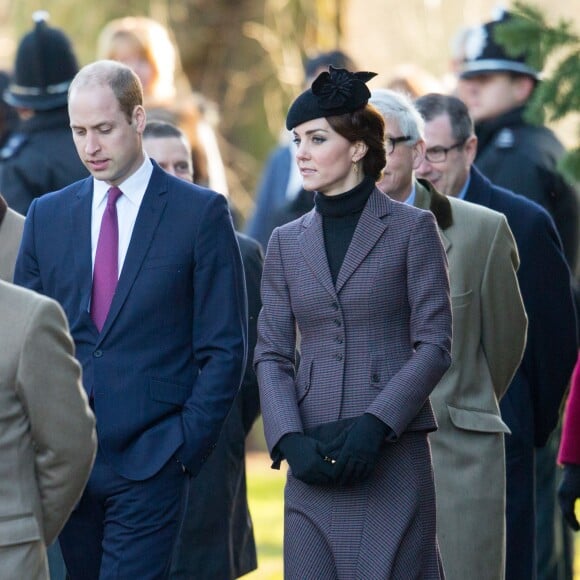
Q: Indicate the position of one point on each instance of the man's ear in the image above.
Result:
(418, 153)
(470, 148)
(523, 88)
(139, 118)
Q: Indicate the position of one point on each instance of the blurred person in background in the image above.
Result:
(39, 155)
(217, 537)
(531, 405)
(361, 281)
(280, 196)
(8, 114)
(522, 157)
(147, 47)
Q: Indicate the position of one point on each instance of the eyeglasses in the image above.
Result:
(391, 143)
(439, 154)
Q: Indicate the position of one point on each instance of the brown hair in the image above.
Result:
(365, 125)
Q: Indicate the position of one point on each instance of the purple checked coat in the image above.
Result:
(378, 342)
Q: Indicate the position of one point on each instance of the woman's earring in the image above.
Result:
(355, 163)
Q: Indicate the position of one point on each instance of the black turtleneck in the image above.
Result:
(340, 215)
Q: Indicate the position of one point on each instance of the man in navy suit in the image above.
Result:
(531, 405)
(163, 366)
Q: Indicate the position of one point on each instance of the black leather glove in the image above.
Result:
(568, 493)
(306, 460)
(361, 449)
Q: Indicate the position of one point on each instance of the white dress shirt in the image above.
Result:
(128, 205)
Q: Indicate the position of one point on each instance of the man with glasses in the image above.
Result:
(530, 407)
(489, 329)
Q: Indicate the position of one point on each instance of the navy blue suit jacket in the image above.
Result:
(168, 362)
(532, 402)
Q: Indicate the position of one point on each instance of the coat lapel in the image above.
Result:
(311, 243)
(427, 197)
(81, 209)
(369, 229)
(150, 212)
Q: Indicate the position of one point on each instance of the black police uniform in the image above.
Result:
(38, 158)
(523, 157)
(40, 155)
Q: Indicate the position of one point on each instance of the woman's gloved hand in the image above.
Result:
(306, 460)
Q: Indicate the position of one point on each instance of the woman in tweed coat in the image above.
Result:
(362, 282)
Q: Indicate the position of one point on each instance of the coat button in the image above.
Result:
(375, 378)
(335, 305)
(339, 356)
(339, 339)
(98, 354)
(337, 322)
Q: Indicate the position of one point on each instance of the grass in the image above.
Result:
(266, 496)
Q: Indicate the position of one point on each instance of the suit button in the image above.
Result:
(339, 357)
(98, 354)
(375, 378)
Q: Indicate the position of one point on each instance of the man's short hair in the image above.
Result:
(124, 83)
(399, 108)
(162, 130)
(435, 104)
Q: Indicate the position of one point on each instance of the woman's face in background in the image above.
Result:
(128, 51)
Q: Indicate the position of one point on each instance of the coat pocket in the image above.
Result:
(19, 529)
(168, 392)
(461, 300)
(303, 380)
(474, 420)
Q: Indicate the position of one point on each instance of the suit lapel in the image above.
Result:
(369, 229)
(150, 212)
(311, 243)
(80, 214)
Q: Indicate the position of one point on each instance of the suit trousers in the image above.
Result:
(123, 529)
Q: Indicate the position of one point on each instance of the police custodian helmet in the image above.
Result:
(484, 55)
(44, 68)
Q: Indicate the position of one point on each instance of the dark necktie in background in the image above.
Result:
(106, 270)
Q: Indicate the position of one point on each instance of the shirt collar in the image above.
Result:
(411, 199)
(463, 192)
(133, 187)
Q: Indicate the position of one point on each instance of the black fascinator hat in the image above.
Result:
(335, 92)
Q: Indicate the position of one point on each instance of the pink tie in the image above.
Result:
(106, 270)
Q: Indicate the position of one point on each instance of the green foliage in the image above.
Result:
(557, 46)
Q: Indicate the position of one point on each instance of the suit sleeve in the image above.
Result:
(62, 425)
(551, 349)
(219, 330)
(504, 324)
(27, 272)
(404, 395)
(275, 354)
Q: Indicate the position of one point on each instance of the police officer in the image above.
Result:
(513, 153)
(40, 155)
(522, 157)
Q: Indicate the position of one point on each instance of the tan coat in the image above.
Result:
(47, 431)
(489, 335)
(11, 226)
